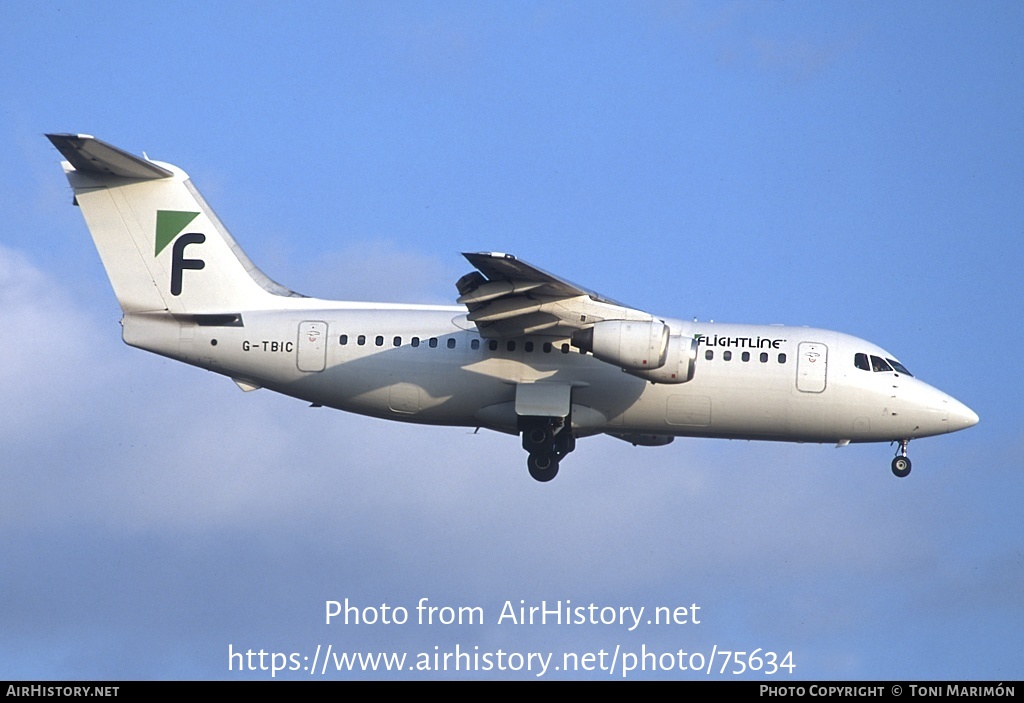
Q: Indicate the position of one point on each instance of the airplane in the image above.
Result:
(524, 352)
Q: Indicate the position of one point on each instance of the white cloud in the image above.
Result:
(51, 348)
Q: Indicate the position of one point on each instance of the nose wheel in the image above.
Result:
(901, 464)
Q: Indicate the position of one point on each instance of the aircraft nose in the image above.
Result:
(960, 416)
(936, 412)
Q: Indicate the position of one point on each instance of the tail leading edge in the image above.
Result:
(162, 246)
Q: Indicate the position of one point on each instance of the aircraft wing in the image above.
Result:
(507, 297)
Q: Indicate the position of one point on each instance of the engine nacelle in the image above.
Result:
(630, 345)
(680, 362)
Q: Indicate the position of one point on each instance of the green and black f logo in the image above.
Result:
(169, 224)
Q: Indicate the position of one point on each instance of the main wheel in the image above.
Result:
(901, 466)
(537, 439)
(543, 467)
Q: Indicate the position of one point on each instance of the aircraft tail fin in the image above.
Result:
(163, 247)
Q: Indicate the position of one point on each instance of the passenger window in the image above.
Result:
(361, 340)
(745, 356)
(727, 356)
(782, 358)
(379, 341)
(764, 357)
(511, 346)
(879, 364)
(565, 348)
(492, 345)
(547, 347)
(451, 342)
(398, 341)
(432, 342)
(474, 344)
(344, 339)
(415, 342)
(709, 354)
(528, 346)
(861, 362)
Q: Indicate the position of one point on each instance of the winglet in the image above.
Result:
(91, 155)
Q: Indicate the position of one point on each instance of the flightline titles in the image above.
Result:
(559, 612)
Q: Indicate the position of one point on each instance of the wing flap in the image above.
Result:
(541, 323)
(504, 308)
(505, 267)
(497, 289)
(507, 297)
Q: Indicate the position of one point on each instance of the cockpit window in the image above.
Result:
(879, 364)
(900, 368)
(861, 362)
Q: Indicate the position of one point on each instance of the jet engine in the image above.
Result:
(635, 346)
(679, 362)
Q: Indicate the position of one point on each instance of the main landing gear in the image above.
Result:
(547, 440)
(901, 464)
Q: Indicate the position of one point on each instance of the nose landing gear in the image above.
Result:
(901, 464)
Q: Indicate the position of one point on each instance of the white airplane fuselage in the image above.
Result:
(768, 382)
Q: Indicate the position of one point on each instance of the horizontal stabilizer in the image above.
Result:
(91, 155)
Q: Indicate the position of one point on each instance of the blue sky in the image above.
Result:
(854, 166)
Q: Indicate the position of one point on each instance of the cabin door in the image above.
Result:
(811, 364)
(312, 346)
